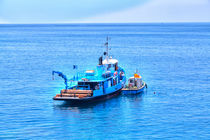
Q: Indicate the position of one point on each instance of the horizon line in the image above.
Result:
(108, 22)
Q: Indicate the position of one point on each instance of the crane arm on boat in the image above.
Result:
(61, 75)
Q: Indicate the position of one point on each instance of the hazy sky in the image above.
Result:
(94, 11)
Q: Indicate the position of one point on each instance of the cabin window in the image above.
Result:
(109, 83)
(89, 85)
(135, 83)
(131, 81)
(114, 81)
(107, 74)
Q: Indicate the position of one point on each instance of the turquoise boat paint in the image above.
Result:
(106, 79)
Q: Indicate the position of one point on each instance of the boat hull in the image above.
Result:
(89, 99)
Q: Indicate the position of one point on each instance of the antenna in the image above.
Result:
(107, 48)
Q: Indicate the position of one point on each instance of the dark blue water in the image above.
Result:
(174, 60)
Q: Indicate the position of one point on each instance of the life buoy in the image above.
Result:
(115, 73)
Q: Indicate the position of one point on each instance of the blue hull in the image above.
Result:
(90, 99)
(133, 91)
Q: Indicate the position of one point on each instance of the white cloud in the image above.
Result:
(160, 11)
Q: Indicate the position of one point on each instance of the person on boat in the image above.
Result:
(121, 75)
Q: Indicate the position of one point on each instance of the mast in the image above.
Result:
(107, 48)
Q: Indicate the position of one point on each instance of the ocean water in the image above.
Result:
(173, 59)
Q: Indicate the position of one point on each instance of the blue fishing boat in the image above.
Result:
(135, 85)
(103, 82)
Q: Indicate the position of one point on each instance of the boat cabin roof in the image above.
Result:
(134, 78)
(110, 61)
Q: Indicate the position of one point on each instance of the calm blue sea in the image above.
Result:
(174, 60)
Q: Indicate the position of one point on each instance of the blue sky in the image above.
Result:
(103, 11)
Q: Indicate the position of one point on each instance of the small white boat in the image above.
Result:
(135, 85)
